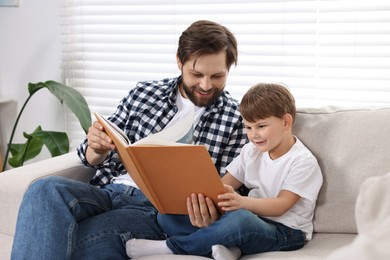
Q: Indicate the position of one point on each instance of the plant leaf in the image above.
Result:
(56, 142)
(23, 152)
(34, 87)
(70, 96)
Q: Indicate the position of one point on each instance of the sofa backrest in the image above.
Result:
(350, 145)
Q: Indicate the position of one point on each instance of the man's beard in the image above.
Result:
(201, 102)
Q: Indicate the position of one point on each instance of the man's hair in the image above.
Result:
(207, 37)
(264, 100)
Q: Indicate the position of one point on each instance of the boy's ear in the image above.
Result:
(287, 120)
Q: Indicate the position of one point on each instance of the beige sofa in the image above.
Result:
(350, 145)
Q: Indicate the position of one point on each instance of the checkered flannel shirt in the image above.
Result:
(151, 105)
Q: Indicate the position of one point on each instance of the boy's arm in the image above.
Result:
(230, 180)
(270, 207)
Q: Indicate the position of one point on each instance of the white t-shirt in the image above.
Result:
(184, 106)
(296, 171)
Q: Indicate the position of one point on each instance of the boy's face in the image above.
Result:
(203, 78)
(269, 135)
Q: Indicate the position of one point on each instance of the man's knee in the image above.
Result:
(48, 181)
(45, 186)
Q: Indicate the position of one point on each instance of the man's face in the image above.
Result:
(203, 78)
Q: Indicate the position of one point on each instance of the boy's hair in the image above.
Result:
(265, 100)
(207, 37)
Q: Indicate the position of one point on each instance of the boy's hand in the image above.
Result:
(230, 200)
(201, 210)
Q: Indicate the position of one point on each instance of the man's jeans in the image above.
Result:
(66, 219)
(240, 228)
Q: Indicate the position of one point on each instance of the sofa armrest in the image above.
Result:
(14, 183)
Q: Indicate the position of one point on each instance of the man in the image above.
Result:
(66, 219)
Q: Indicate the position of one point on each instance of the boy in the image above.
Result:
(283, 178)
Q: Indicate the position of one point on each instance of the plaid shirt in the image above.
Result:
(151, 105)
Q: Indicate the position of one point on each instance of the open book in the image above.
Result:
(167, 171)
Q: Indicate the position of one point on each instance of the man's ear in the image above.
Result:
(179, 65)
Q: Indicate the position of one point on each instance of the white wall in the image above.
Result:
(30, 51)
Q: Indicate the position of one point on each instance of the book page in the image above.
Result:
(115, 130)
(178, 133)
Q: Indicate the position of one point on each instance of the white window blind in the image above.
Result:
(327, 52)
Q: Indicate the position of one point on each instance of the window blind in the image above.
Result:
(328, 52)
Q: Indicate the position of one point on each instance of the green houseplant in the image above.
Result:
(56, 142)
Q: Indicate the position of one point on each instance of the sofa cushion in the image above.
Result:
(14, 183)
(373, 223)
(318, 248)
(350, 145)
(5, 246)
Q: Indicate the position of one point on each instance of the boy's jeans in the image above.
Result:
(240, 228)
(66, 219)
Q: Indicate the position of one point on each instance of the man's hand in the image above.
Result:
(99, 144)
(201, 210)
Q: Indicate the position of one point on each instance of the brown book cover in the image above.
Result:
(167, 172)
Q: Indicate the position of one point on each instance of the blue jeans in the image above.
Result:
(61, 218)
(240, 228)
